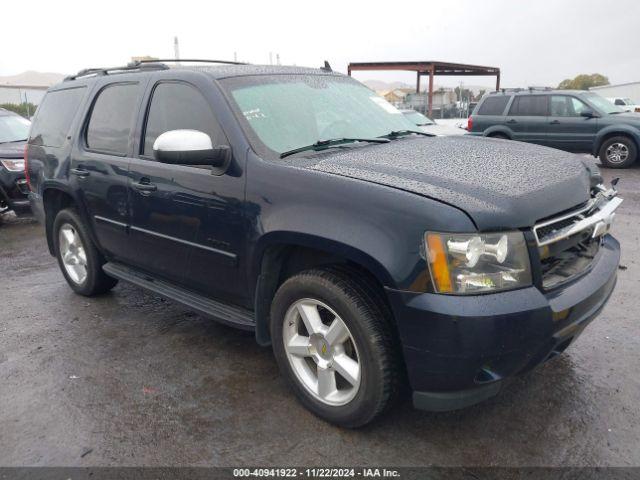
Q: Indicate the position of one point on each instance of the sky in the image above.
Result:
(534, 43)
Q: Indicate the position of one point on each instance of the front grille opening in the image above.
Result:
(560, 266)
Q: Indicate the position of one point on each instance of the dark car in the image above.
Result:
(14, 131)
(576, 121)
(295, 203)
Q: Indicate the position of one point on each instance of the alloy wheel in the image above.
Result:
(72, 252)
(617, 153)
(322, 352)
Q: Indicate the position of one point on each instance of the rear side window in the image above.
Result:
(176, 106)
(112, 118)
(530, 106)
(54, 117)
(493, 105)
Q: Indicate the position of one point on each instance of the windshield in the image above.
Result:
(285, 112)
(602, 104)
(417, 118)
(13, 128)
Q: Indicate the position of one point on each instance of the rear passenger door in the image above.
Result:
(567, 129)
(188, 228)
(100, 163)
(527, 118)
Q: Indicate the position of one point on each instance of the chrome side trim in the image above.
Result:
(233, 256)
(108, 220)
(600, 220)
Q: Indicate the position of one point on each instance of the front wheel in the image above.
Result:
(334, 344)
(79, 259)
(618, 152)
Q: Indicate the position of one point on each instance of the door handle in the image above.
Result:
(512, 121)
(80, 172)
(554, 122)
(145, 187)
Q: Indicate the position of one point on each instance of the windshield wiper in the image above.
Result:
(14, 141)
(401, 133)
(333, 142)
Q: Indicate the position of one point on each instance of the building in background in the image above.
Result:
(624, 90)
(18, 94)
(27, 87)
(444, 102)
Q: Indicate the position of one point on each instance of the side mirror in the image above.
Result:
(588, 114)
(189, 147)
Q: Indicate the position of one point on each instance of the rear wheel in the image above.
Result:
(78, 258)
(334, 344)
(499, 135)
(618, 152)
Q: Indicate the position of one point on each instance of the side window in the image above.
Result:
(578, 106)
(561, 106)
(529, 105)
(494, 105)
(619, 101)
(176, 106)
(112, 118)
(54, 116)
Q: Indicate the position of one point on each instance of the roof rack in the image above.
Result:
(190, 60)
(142, 65)
(87, 72)
(518, 89)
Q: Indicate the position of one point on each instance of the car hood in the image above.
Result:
(12, 149)
(498, 183)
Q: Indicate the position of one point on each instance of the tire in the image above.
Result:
(371, 344)
(501, 136)
(618, 152)
(94, 281)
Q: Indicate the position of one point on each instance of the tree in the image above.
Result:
(25, 109)
(584, 82)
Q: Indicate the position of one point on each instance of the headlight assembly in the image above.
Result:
(477, 263)
(16, 165)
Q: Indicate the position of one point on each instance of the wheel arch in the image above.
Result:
(498, 130)
(615, 131)
(284, 254)
(58, 196)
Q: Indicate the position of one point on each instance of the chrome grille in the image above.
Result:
(568, 243)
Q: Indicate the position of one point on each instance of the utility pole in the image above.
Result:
(277, 59)
(235, 56)
(176, 48)
(270, 58)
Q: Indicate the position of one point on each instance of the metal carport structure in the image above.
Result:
(431, 68)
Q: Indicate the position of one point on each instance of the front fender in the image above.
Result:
(615, 130)
(378, 227)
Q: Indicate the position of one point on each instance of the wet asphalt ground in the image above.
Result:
(128, 379)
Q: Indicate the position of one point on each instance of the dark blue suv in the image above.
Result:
(297, 204)
(576, 121)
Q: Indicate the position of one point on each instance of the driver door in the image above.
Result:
(186, 220)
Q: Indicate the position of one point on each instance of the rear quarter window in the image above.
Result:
(493, 105)
(54, 116)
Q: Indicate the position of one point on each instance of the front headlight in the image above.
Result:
(462, 263)
(13, 165)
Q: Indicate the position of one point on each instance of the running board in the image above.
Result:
(231, 315)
